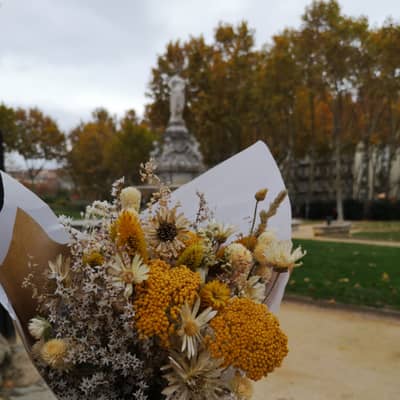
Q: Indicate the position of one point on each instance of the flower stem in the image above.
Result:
(254, 218)
(277, 274)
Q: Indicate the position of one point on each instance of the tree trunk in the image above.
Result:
(311, 175)
(392, 147)
(310, 186)
(337, 115)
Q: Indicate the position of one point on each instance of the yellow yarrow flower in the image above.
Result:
(159, 300)
(247, 336)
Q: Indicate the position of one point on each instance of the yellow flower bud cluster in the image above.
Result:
(247, 336)
(248, 241)
(93, 258)
(160, 298)
(129, 234)
(192, 256)
(191, 238)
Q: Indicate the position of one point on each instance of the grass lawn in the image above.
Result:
(377, 230)
(349, 273)
(69, 212)
(391, 236)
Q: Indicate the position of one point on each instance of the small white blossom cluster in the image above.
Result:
(84, 311)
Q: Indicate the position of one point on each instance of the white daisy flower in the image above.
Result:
(191, 326)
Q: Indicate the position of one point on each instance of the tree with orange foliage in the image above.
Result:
(37, 139)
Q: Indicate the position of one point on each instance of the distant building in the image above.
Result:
(323, 187)
(48, 182)
(356, 184)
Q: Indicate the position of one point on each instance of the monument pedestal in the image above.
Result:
(178, 156)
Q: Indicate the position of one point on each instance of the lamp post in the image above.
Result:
(2, 164)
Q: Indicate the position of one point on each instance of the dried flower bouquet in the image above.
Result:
(152, 305)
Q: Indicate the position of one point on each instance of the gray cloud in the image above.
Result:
(69, 56)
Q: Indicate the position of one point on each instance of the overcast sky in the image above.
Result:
(70, 56)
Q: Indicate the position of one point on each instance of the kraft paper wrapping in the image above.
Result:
(29, 243)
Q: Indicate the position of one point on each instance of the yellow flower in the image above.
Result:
(159, 299)
(261, 194)
(93, 259)
(129, 234)
(215, 294)
(192, 256)
(127, 275)
(130, 198)
(191, 238)
(247, 336)
(53, 353)
(248, 241)
(385, 277)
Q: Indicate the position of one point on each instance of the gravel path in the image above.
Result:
(306, 232)
(335, 355)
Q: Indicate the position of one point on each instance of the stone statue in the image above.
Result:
(176, 99)
(177, 155)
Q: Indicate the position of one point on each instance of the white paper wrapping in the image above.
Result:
(18, 196)
(229, 189)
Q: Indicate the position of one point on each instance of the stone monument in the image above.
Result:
(177, 155)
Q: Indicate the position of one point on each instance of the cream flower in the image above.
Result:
(38, 327)
(198, 379)
(219, 232)
(242, 387)
(254, 289)
(166, 231)
(54, 352)
(129, 274)
(130, 198)
(280, 256)
(60, 268)
(262, 242)
(191, 326)
(266, 237)
(239, 256)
